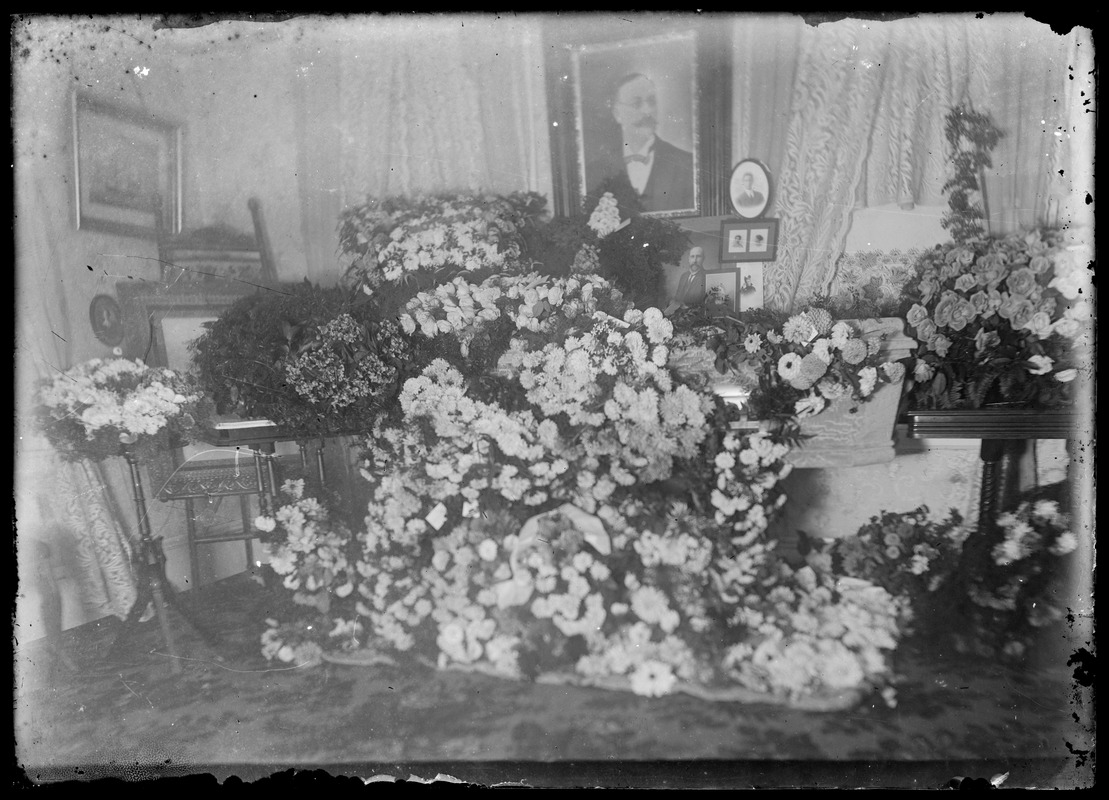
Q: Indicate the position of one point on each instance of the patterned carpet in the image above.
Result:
(230, 713)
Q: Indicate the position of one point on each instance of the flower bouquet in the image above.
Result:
(991, 600)
(798, 366)
(310, 359)
(1016, 591)
(313, 552)
(912, 555)
(89, 411)
(397, 246)
(610, 238)
(1000, 322)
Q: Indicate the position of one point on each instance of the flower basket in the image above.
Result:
(850, 434)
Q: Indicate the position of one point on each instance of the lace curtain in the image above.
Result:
(865, 127)
(402, 107)
(68, 507)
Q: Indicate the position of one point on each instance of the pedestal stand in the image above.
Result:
(150, 568)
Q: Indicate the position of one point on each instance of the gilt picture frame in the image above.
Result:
(127, 170)
(659, 76)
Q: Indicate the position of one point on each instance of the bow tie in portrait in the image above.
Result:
(642, 159)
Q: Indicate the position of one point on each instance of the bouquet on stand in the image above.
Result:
(90, 410)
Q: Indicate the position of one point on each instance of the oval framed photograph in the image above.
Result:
(750, 188)
(106, 319)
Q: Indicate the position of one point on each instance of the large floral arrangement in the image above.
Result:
(88, 411)
(557, 494)
(526, 521)
(646, 595)
(797, 365)
(1002, 320)
(397, 246)
(311, 359)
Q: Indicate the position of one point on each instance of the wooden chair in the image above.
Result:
(203, 271)
(218, 254)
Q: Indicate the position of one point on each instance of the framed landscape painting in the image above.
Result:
(127, 169)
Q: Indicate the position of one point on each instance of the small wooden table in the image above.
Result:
(1001, 431)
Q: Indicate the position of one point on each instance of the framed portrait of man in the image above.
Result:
(750, 189)
(637, 122)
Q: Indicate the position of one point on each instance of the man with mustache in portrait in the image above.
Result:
(660, 173)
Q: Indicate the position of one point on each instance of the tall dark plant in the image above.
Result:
(971, 136)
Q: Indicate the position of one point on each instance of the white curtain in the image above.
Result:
(764, 62)
(834, 101)
(402, 107)
(865, 124)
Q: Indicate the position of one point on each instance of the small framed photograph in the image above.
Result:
(750, 287)
(756, 240)
(722, 286)
(106, 319)
(127, 169)
(750, 189)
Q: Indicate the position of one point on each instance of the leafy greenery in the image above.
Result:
(971, 135)
(244, 357)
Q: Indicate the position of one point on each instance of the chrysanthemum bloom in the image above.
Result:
(813, 367)
(821, 320)
(854, 351)
(789, 366)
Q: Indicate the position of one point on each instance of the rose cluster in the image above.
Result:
(1001, 320)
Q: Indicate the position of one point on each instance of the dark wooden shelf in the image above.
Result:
(991, 423)
(267, 434)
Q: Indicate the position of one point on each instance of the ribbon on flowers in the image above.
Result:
(517, 590)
